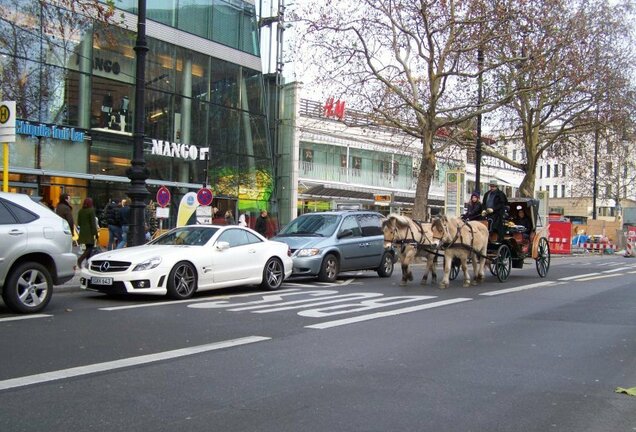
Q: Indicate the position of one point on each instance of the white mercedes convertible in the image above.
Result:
(190, 259)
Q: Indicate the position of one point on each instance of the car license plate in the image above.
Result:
(101, 281)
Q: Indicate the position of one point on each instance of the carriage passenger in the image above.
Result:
(523, 220)
(473, 208)
(495, 202)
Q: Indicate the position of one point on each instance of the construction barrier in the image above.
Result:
(600, 248)
(560, 245)
(560, 238)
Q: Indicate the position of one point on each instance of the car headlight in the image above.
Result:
(308, 252)
(148, 264)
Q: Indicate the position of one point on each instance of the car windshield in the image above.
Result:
(188, 236)
(322, 225)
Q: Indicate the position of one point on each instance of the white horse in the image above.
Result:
(463, 240)
(413, 239)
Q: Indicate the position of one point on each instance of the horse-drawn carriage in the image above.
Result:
(520, 243)
(460, 242)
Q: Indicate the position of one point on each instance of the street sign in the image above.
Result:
(204, 196)
(163, 196)
(7, 121)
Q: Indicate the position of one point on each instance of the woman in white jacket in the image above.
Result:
(241, 221)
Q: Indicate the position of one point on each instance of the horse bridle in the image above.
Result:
(457, 235)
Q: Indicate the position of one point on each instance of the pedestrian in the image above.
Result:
(113, 222)
(87, 224)
(124, 218)
(229, 218)
(473, 208)
(261, 224)
(242, 222)
(495, 202)
(65, 210)
(150, 220)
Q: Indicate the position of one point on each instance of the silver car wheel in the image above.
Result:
(182, 282)
(273, 274)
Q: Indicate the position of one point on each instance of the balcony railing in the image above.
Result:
(331, 173)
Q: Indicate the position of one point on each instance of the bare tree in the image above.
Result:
(576, 57)
(413, 64)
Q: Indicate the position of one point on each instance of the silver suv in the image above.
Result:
(36, 253)
(324, 244)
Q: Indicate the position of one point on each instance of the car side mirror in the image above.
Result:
(345, 233)
(222, 245)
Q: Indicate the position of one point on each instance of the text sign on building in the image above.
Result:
(382, 199)
(179, 150)
(7, 121)
(44, 130)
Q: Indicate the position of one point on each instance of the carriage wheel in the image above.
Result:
(502, 263)
(543, 257)
(454, 271)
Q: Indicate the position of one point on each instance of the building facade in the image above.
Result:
(73, 79)
(335, 157)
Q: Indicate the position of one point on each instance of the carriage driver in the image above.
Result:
(495, 202)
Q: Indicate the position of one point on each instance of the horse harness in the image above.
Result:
(458, 235)
(419, 244)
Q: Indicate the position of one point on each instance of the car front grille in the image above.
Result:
(106, 266)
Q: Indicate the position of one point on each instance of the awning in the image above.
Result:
(320, 191)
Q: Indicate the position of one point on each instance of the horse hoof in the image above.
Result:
(443, 286)
(466, 284)
(402, 283)
(473, 283)
(410, 277)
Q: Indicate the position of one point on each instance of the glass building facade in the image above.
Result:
(73, 80)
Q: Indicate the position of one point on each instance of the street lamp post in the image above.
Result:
(138, 173)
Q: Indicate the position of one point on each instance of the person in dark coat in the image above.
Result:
(495, 203)
(65, 211)
(124, 217)
(261, 224)
(523, 220)
(114, 225)
(473, 208)
(87, 223)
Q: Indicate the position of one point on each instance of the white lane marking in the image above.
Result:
(309, 303)
(632, 272)
(377, 315)
(203, 299)
(615, 270)
(17, 318)
(519, 288)
(579, 276)
(599, 277)
(126, 362)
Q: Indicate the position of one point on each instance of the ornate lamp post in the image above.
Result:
(138, 173)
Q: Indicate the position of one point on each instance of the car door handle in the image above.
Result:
(16, 232)
(252, 251)
(364, 244)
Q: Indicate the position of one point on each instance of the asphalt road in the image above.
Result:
(364, 354)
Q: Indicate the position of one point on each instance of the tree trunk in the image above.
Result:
(427, 169)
